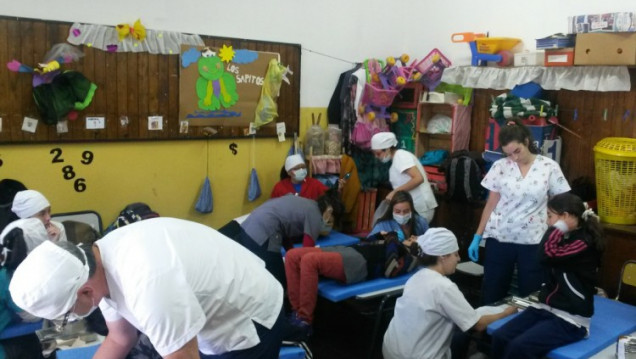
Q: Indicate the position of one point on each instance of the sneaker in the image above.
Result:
(297, 330)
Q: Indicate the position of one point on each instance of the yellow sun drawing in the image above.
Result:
(226, 53)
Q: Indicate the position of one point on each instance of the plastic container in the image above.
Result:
(615, 166)
(333, 141)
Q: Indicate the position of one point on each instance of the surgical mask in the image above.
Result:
(325, 228)
(300, 174)
(386, 159)
(401, 219)
(72, 317)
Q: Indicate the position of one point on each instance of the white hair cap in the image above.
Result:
(293, 161)
(45, 284)
(438, 241)
(383, 140)
(28, 203)
(33, 232)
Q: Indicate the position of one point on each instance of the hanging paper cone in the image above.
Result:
(254, 189)
(204, 203)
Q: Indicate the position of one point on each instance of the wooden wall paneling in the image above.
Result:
(7, 100)
(143, 94)
(123, 115)
(172, 92)
(100, 99)
(132, 84)
(13, 95)
(111, 95)
(171, 123)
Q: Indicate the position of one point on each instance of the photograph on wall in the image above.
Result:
(221, 86)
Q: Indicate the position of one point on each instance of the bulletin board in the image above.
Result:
(138, 93)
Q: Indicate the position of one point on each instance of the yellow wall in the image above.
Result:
(167, 174)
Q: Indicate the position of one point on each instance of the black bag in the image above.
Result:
(464, 171)
(133, 212)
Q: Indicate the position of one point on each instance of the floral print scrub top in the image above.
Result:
(521, 214)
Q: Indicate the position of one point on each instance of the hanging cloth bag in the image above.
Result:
(205, 203)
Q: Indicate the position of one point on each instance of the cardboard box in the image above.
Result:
(608, 22)
(559, 57)
(605, 49)
(535, 58)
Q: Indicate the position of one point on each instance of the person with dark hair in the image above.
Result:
(515, 215)
(385, 253)
(294, 180)
(190, 289)
(280, 222)
(431, 305)
(570, 251)
(401, 217)
(406, 173)
(8, 189)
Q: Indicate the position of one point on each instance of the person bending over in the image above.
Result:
(186, 286)
(282, 221)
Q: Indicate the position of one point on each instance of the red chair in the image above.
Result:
(366, 210)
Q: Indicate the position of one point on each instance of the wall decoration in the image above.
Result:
(133, 86)
(68, 171)
(221, 86)
(137, 38)
(57, 93)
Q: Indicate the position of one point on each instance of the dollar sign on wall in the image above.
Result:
(233, 146)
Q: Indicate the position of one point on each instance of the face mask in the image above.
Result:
(386, 158)
(72, 317)
(300, 174)
(401, 219)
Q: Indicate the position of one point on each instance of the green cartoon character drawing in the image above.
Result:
(215, 87)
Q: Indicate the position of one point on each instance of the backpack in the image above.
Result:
(464, 171)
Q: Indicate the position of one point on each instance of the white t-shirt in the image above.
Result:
(422, 326)
(521, 213)
(423, 197)
(174, 280)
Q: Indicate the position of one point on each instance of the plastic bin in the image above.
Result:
(615, 165)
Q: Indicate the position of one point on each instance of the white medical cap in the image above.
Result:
(383, 140)
(33, 232)
(438, 241)
(293, 161)
(45, 284)
(28, 203)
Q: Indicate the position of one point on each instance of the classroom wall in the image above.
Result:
(167, 175)
(333, 34)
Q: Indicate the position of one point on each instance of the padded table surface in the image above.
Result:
(19, 329)
(335, 291)
(286, 352)
(611, 319)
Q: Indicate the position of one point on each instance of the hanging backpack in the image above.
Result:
(464, 171)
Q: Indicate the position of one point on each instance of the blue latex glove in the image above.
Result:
(473, 249)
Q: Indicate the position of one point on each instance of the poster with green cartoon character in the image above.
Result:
(220, 86)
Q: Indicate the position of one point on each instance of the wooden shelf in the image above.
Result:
(460, 128)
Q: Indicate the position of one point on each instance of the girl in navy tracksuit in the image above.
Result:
(570, 251)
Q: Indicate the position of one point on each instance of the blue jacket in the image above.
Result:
(391, 225)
